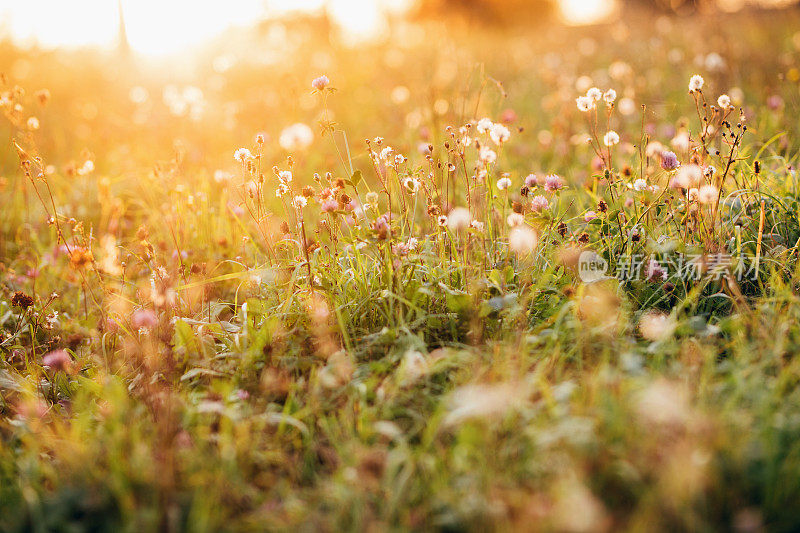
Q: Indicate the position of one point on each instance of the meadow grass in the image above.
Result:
(222, 309)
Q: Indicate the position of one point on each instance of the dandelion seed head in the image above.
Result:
(503, 183)
(595, 94)
(242, 155)
(296, 137)
(522, 239)
(499, 133)
(515, 219)
(458, 219)
(707, 194)
(696, 83)
(611, 138)
(584, 103)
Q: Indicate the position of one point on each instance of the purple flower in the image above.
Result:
(144, 318)
(320, 83)
(553, 182)
(539, 203)
(669, 161)
(655, 271)
(330, 205)
(58, 360)
(531, 181)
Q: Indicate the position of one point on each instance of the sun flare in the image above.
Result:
(156, 27)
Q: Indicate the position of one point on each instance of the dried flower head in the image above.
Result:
(20, 299)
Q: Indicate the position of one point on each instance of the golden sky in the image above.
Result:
(158, 27)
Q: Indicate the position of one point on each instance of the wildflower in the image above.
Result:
(242, 155)
(669, 161)
(680, 141)
(484, 125)
(33, 123)
(144, 318)
(693, 194)
(320, 83)
(381, 227)
(515, 219)
(627, 106)
(654, 271)
(499, 134)
(653, 149)
(707, 194)
(328, 206)
(589, 216)
(553, 182)
(611, 138)
(584, 103)
(412, 185)
(609, 96)
(710, 170)
(285, 176)
(386, 153)
(296, 137)
(477, 225)
(80, 257)
(774, 102)
(655, 326)
(487, 155)
(639, 185)
(20, 299)
(86, 168)
(539, 203)
(459, 218)
(595, 94)
(372, 197)
(442, 221)
(724, 101)
(299, 202)
(58, 360)
(503, 183)
(400, 249)
(412, 243)
(522, 239)
(696, 83)
(399, 159)
(688, 176)
(531, 181)
(508, 116)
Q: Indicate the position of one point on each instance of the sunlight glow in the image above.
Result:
(160, 27)
(585, 11)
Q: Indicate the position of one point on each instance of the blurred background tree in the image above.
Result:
(489, 11)
(540, 11)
